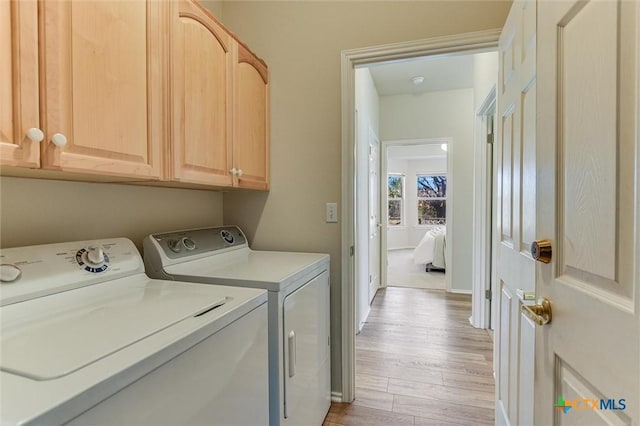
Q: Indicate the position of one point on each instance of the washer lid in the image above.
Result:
(53, 336)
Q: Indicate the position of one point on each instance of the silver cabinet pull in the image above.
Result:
(292, 353)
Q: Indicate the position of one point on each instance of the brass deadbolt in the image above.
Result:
(541, 250)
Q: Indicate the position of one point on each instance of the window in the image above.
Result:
(432, 199)
(395, 196)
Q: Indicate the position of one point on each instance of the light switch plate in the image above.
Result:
(332, 213)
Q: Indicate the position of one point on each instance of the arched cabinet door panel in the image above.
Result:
(201, 90)
(251, 120)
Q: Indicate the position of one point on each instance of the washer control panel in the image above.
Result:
(181, 244)
(34, 271)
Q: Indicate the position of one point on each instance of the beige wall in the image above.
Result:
(35, 211)
(301, 41)
(215, 6)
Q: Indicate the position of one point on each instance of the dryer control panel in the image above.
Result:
(182, 244)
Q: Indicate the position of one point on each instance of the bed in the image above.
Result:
(430, 250)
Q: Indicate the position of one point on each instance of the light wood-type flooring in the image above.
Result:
(419, 362)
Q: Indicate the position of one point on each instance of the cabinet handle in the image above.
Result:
(234, 171)
(59, 140)
(239, 173)
(35, 135)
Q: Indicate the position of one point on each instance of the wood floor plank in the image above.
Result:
(423, 329)
(356, 415)
(374, 399)
(373, 382)
(410, 361)
(430, 335)
(399, 372)
(466, 381)
(422, 421)
(418, 350)
(441, 411)
(474, 398)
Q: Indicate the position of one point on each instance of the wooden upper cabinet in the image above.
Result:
(19, 111)
(251, 120)
(201, 76)
(103, 87)
(140, 90)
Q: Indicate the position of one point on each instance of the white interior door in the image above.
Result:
(515, 214)
(588, 358)
(374, 214)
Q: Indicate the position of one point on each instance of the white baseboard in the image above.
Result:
(336, 396)
(400, 248)
(459, 291)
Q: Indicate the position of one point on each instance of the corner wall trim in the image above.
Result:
(336, 397)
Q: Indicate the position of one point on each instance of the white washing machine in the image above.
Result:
(87, 338)
(298, 286)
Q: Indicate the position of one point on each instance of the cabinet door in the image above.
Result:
(18, 83)
(103, 86)
(201, 89)
(251, 121)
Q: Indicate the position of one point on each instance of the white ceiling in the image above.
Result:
(415, 152)
(440, 73)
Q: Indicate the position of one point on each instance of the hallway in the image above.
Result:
(419, 362)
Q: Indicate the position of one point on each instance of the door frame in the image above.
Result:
(374, 136)
(383, 200)
(475, 42)
(483, 205)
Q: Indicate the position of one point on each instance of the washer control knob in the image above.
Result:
(9, 273)
(188, 243)
(95, 255)
(175, 246)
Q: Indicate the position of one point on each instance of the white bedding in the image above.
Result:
(431, 248)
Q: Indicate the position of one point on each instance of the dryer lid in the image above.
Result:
(53, 336)
(271, 270)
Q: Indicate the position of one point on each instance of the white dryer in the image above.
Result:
(87, 338)
(298, 287)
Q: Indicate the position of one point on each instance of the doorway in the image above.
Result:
(472, 43)
(417, 186)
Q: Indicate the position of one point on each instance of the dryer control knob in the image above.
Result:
(95, 255)
(189, 243)
(175, 246)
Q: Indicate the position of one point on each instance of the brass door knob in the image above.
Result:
(541, 250)
(539, 313)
